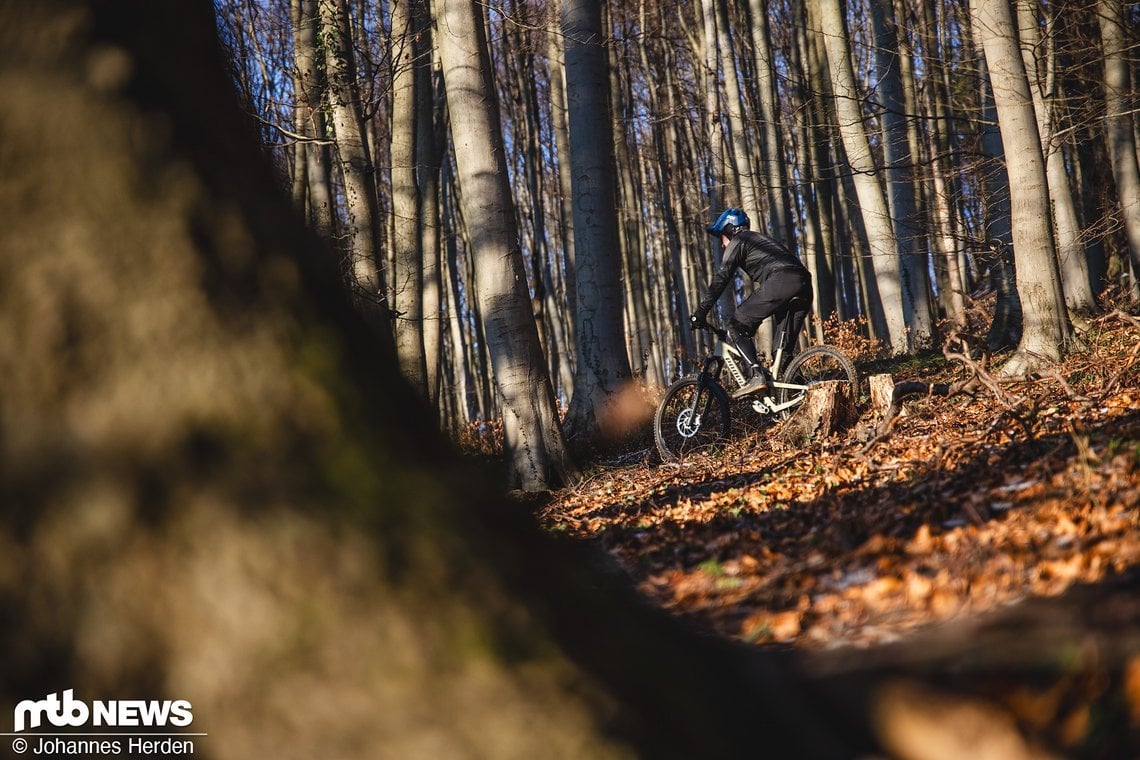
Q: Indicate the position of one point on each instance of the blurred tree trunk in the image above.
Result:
(537, 455)
(217, 487)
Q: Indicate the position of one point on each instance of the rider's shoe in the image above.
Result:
(758, 384)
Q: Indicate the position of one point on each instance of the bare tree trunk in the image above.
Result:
(718, 188)
(1045, 320)
(818, 194)
(1122, 144)
(900, 175)
(429, 145)
(663, 171)
(355, 161)
(744, 179)
(555, 55)
(775, 171)
(407, 279)
(1005, 328)
(872, 201)
(603, 364)
(537, 454)
(318, 172)
(1038, 56)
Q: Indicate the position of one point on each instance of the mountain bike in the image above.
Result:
(695, 413)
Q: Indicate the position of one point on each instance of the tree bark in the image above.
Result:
(775, 171)
(317, 157)
(1122, 143)
(900, 175)
(1039, 57)
(363, 220)
(407, 278)
(1005, 328)
(602, 360)
(884, 252)
(537, 455)
(1045, 320)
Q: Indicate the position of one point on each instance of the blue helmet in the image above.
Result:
(730, 221)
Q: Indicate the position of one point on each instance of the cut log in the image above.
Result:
(882, 389)
(828, 408)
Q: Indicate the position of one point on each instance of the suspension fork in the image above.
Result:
(708, 377)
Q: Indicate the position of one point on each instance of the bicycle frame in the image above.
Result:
(730, 356)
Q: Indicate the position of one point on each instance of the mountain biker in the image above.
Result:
(781, 289)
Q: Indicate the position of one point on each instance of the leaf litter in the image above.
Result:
(967, 508)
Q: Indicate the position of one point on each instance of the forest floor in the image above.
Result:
(856, 546)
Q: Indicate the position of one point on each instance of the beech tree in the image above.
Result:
(536, 451)
(710, 104)
(872, 200)
(602, 359)
(1121, 126)
(355, 157)
(407, 49)
(1046, 326)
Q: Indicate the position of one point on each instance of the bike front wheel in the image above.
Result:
(692, 416)
(816, 365)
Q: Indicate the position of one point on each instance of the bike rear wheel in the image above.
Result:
(692, 416)
(816, 365)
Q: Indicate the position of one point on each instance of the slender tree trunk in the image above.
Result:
(568, 294)
(900, 175)
(1122, 143)
(826, 192)
(775, 171)
(678, 295)
(1038, 56)
(430, 139)
(748, 197)
(317, 157)
(954, 285)
(603, 364)
(1005, 328)
(717, 174)
(1045, 320)
(363, 223)
(407, 278)
(537, 454)
(884, 251)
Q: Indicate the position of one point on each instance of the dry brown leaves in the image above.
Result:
(966, 507)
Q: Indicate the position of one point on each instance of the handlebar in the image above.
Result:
(723, 335)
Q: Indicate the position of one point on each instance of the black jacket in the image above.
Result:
(758, 255)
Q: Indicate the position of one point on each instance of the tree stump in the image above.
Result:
(882, 390)
(828, 408)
